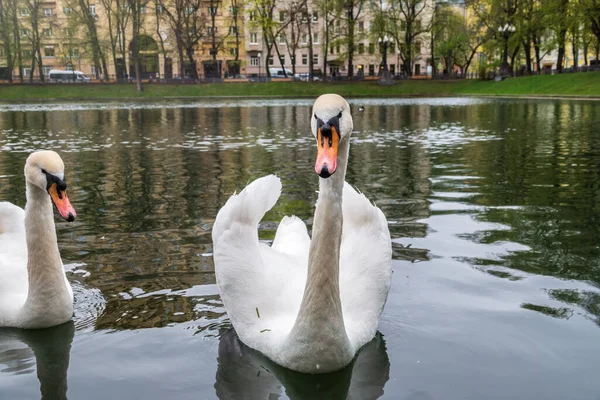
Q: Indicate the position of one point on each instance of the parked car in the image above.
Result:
(60, 76)
(304, 77)
(278, 73)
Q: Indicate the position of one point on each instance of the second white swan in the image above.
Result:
(34, 291)
(308, 305)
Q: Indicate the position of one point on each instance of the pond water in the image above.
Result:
(493, 207)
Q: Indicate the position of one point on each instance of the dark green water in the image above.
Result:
(493, 207)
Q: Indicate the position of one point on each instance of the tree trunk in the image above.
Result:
(351, 23)
(527, 49)
(6, 38)
(180, 56)
(310, 45)
(325, 47)
(190, 54)
(513, 57)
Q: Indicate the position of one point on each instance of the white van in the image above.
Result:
(278, 73)
(59, 76)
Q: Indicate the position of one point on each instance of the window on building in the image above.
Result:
(233, 51)
(49, 51)
(189, 10)
(361, 26)
(211, 30)
(26, 72)
(281, 16)
(93, 71)
(1, 52)
(212, 10)
(254, 61)
(315, 59)
(337, 27)
(371, 48)
(281, 39)
(232, 30)
(253, 38)
(282, 60)
(304, 38)
(392, 47)
(24, 12)
(417, 48)
(304, 59)
(93, 10)
(232, 10)
(142, 9)
(361, 48)
(67, 10)
(315, 16)
(48, 12)
(46, 69)
(316, 38)
(293, 60)
(69, 32)
(73, 52)
(331, 49)
(337, 49)
(27, 53)
(24, 32)
(271, 60)
(47, 32)
(252, 16)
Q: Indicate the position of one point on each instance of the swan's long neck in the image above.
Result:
(319, 326)
(49, 299)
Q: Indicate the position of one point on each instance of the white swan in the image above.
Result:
(34, 291)
(307, 305)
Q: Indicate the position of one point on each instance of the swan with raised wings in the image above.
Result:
(307, 304)
(34, 291)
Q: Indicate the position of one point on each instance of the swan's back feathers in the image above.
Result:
(292, 237)
(13, 262)
(11, 218)
(365, 266)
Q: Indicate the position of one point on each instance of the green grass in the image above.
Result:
(580, 85)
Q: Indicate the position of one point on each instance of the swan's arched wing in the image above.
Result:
(365, 266)
(13, 260)
(257, 283)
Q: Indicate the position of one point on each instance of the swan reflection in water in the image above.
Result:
(244, 373)
(48, 350)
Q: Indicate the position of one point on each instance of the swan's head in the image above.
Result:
(45, 169)
(331, 123)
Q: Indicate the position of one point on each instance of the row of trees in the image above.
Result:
(23, 23)
(521, 29)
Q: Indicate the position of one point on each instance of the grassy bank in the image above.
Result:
(581, 85)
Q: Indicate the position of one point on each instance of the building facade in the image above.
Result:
(198, 38)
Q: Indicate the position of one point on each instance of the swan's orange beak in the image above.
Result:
(62, 203)
(327, 143)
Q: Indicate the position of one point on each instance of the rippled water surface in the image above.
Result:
(493, 207)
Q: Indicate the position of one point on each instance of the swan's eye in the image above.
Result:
(44, 171)
(340, 115)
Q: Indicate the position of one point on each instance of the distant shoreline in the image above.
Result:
(584, 86)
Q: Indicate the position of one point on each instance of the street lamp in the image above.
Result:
(506, 31)
(259, 64)
(384, 42)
